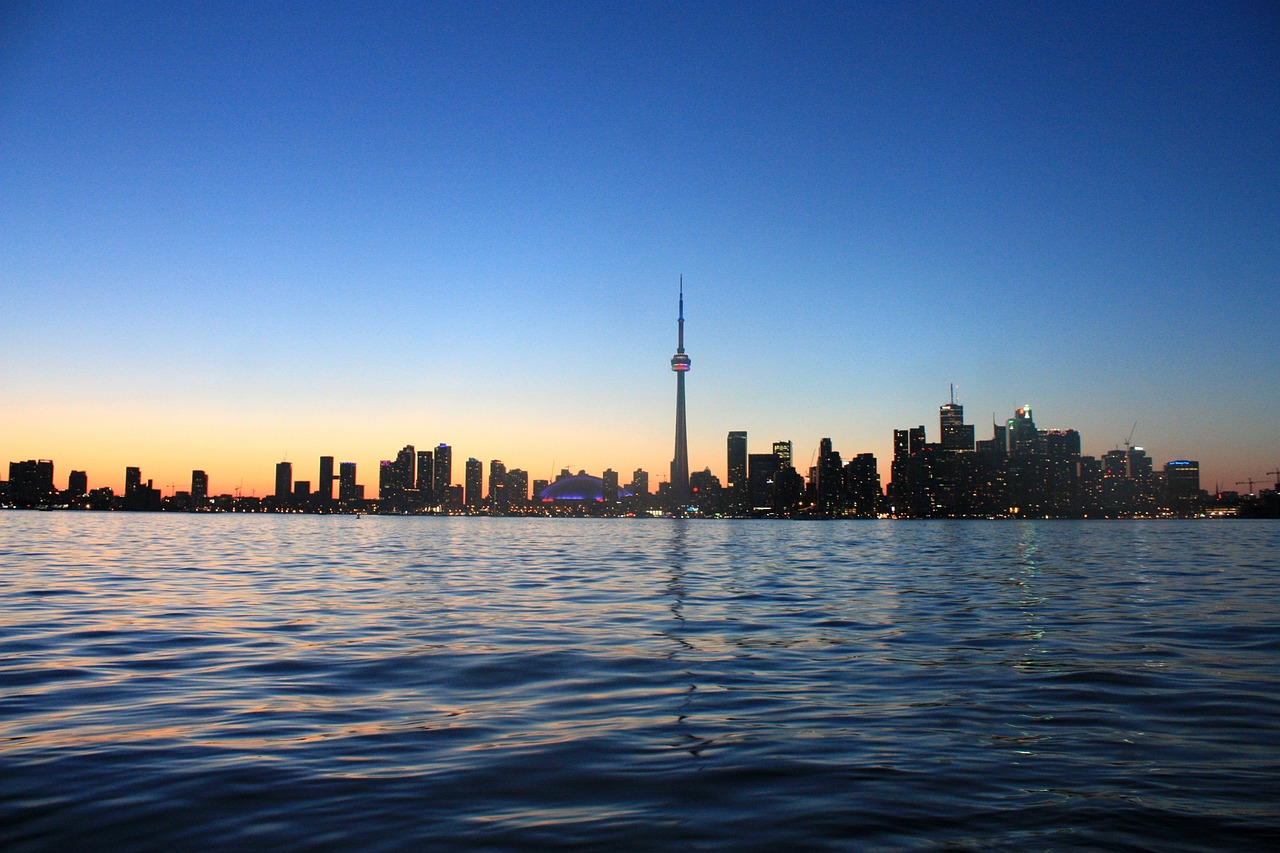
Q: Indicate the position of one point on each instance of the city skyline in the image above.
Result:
(952, 433)
(231, 236)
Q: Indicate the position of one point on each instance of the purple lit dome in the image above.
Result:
(580, 488)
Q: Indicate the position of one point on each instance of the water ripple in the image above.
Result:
(393, 683)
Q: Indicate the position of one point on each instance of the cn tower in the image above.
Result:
(680, 464)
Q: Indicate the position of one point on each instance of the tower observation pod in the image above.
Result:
(680, 363)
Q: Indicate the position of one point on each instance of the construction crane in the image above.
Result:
(1275, 474)
(1128, 442)
(1250, 483)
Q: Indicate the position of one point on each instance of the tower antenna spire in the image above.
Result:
(680, 343)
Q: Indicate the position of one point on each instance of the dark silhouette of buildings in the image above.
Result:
(284, 484)
(736, 471)
(350, 493)
(1025, 471)
(31, 483)
(324, 484)
(443, 471)
(426, 478)
(474, 483)
(200, 486)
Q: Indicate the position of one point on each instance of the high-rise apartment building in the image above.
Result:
(609, 489)
(31, 482)
(426, 476)
(348, 490)
(324, 485)
(284, 482)
(499, 499)
(132, 480)
(443, 469)
(199, 486)
(518, 486)
(474, 483)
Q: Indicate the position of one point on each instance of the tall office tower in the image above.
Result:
(917, 439)
(1140, 464)
(1024, 438)
(199, 486)
(783, 451)
(78, 484)
(901, 443)
(680, 363)
(324, 485)
(132, 480)
(999, 441)
(956, 434)
(1182, 485)
(444, 469)
(284, 481)
(737, 470)
(348, 491)
(474, 483)
(426, 476)
(1115, 463)
(639, 484)
(762, 469)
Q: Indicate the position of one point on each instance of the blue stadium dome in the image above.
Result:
(580, 488)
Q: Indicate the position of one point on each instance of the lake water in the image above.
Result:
(239, 682)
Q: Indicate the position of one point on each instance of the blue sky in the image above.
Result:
(235, 232)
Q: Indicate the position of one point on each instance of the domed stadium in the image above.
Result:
(579, 488)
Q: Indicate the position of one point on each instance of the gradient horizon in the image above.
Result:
(235, 235)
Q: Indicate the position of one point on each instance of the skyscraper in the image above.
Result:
(348, 490)
(444, 470)
(199, 485)
(783, 450)
(132, 480)
(426, 476)
(736, 460)
(324, 485)
(956, 434)
(1182, 482)
(499, 498)
(474, 483)
(680, 363)
(284, 482)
